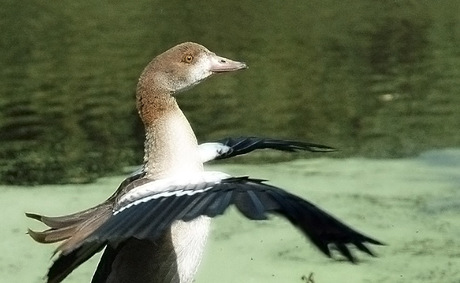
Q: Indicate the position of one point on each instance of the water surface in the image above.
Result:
(411, 204)
(375, 79)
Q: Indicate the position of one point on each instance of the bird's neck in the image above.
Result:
(171, 147)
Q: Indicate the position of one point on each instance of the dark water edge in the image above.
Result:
(372, 78)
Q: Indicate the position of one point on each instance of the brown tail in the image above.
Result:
(71, 229)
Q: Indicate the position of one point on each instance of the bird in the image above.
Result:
(154, 227)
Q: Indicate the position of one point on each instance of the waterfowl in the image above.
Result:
(154, 227)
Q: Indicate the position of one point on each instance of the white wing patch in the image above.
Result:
(211, 150)
(168, 187)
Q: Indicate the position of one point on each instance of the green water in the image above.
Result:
(372, 78)
(411, 204)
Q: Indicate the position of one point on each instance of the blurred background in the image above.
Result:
(375, 79)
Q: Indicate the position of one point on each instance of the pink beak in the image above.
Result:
(221, 64)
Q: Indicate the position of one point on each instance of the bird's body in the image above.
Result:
(154, 227)
(171, 149)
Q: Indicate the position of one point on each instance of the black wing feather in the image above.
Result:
(163, 216)
(243, 145)
(222, 201)
(252, 198)
(149, 218)
(250, 205)
(66, 263)
(197, 204)
(204, 201)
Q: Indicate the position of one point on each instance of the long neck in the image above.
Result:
(170, 146)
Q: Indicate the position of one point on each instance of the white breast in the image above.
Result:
(172, 151)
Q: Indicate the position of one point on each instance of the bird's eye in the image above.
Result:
(188, 58)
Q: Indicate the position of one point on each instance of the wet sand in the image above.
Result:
(413, 205)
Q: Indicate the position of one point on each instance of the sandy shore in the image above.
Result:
(413, 205)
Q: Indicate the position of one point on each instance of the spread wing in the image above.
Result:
(146, 214)
(231, 147)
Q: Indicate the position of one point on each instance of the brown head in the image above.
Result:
(176, 70)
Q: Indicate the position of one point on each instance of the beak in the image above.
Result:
(221, 64)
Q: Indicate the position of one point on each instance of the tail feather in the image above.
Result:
(53, 235)
(66, 220)
(85, 228)
(71, 229)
